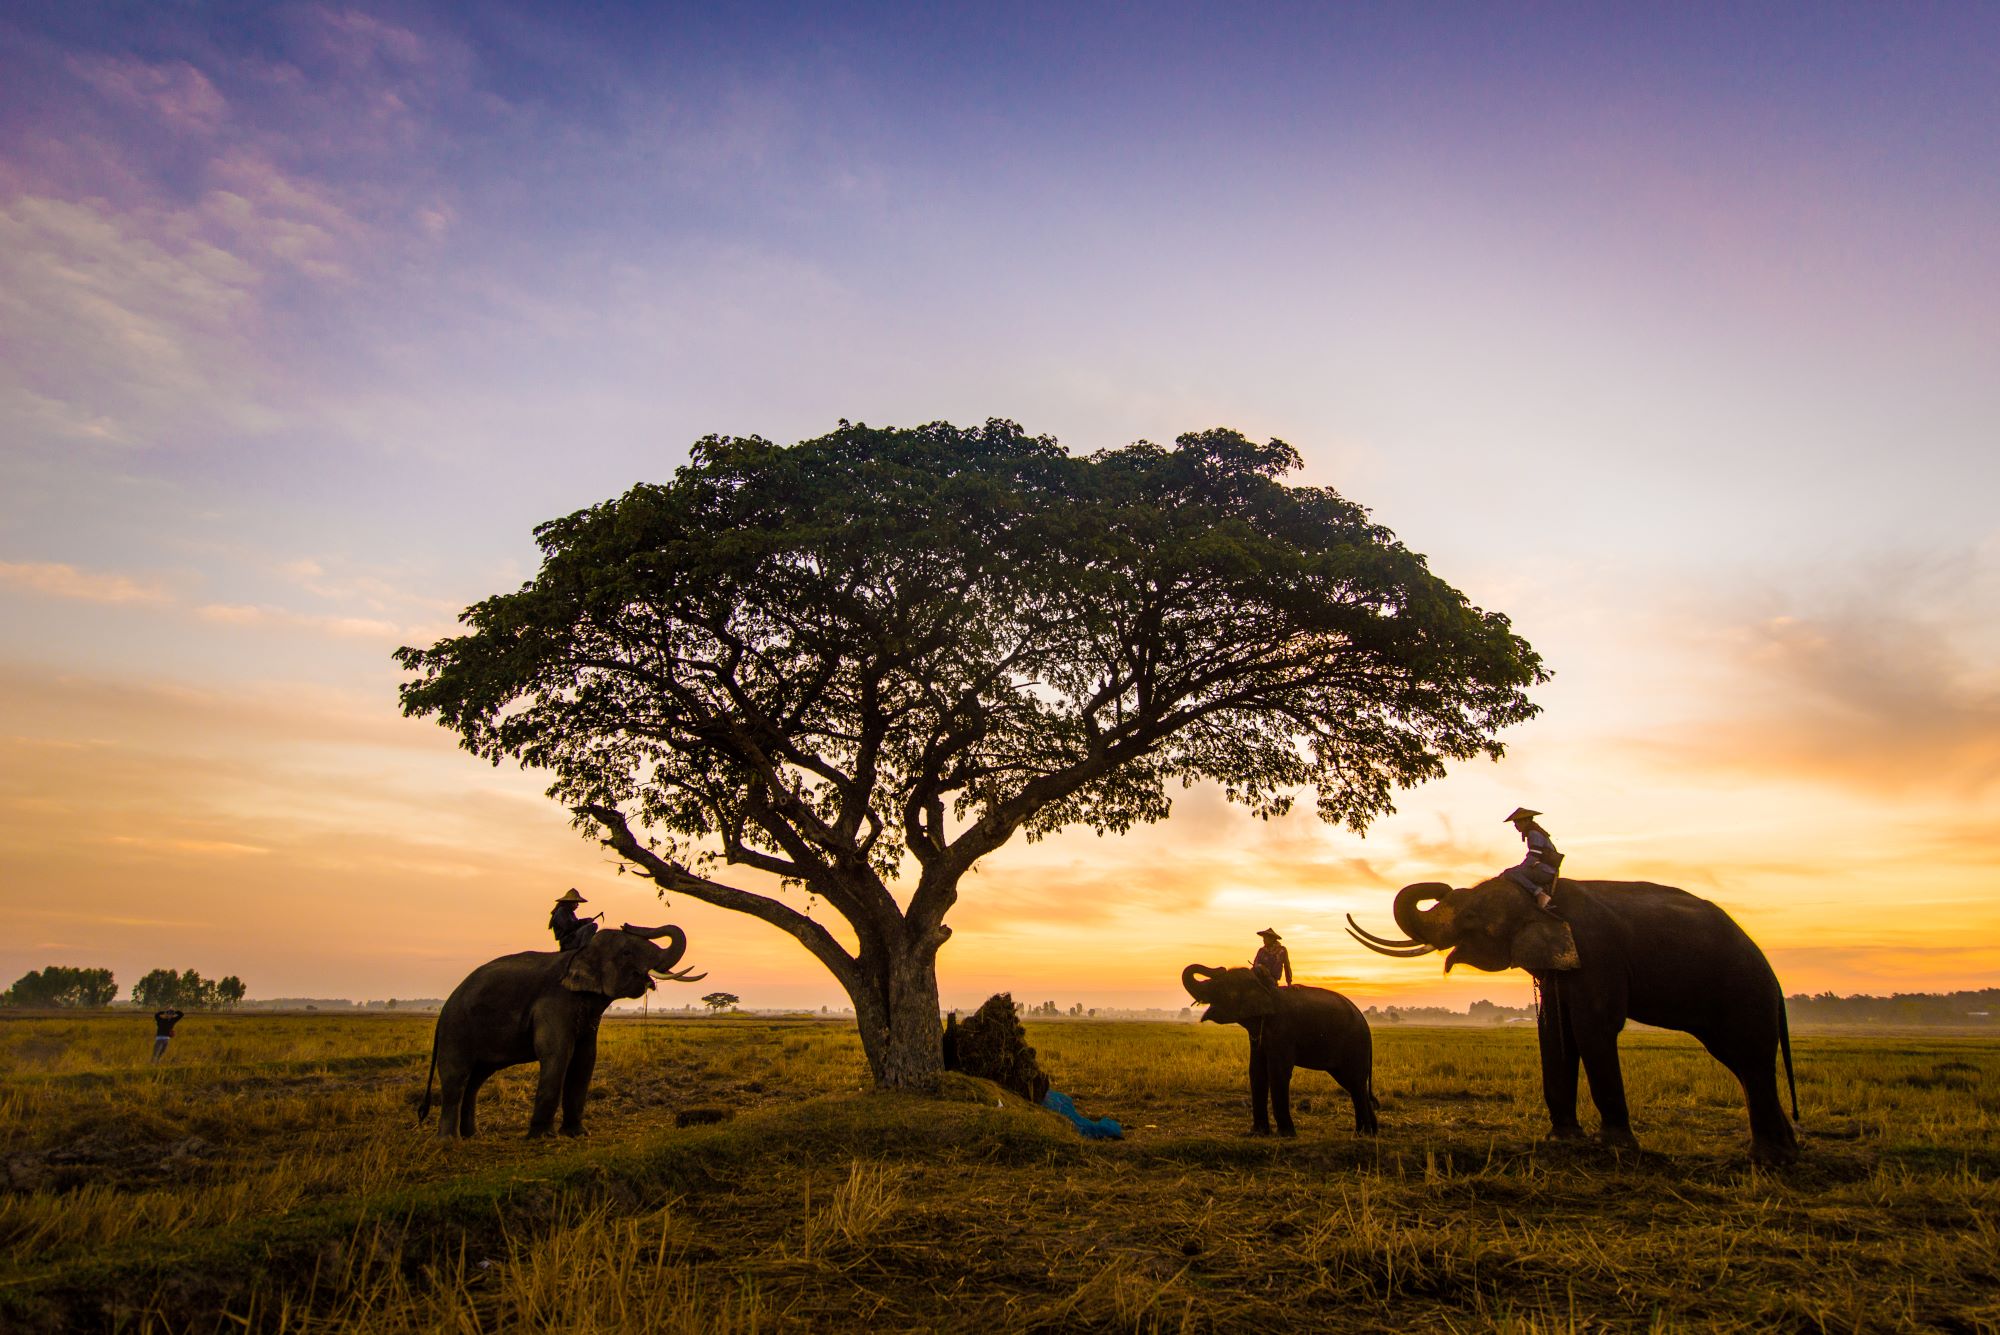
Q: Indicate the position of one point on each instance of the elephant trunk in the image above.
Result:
(1417, 923)
(670, 953)
(1195, 978)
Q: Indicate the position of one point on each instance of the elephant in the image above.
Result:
(541, 1006)
(1290, 1026)
(1614, 951)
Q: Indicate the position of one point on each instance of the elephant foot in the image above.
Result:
(1618, 1140)
(1774, 1153)
(574, 1131)
(1566, 1133)
(540, 1132)
(1258, 1131)
(1288, 1133)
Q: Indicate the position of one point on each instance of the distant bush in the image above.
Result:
(58, 985)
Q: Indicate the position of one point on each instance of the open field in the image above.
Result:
(271, 1175)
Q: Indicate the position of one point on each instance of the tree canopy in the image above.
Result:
(166, 987)
(61, 985)
(880, 654)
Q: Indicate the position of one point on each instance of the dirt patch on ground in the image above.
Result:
(107, 1159)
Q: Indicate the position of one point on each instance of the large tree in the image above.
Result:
(861, 663)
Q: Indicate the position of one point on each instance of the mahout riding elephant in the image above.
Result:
(1290, 1026)
(1618, 951)
(541, 1006)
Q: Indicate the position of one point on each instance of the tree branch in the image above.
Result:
(619, 838)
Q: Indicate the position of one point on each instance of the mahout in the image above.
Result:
(541, 1006)
(1289, 1027)
(1614, 951)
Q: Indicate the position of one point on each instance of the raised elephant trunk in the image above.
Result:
(670, 954)
(1420, 932)
(1418, 924)
(1195, 978)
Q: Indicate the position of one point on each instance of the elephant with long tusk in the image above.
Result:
(542, 1006)
(1620, 950)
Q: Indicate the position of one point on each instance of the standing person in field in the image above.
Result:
(1273, 961)
(163, 1031)
(1535, 873)
(571, 931)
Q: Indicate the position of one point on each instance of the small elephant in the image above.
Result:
(1290, 1026)
(1619, 950)
(541, 1006)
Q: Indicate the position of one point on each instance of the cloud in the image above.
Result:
(361, 42)
(56, 580)
(173, 91)
(1889, 684)
(150, 285)
(197, 847)
(129, 326)
(346, 627)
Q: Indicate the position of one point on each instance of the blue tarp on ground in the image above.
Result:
(1102, 1128)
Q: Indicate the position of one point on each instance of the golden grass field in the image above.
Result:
(271, 1176)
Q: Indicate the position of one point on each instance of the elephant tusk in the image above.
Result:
(683, 976)
(1400, 952)
(1356, 930)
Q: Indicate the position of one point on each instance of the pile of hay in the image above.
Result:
(992, 1045)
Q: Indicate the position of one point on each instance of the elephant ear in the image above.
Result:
(590, 969)
(1545, 945)
(1253, 996)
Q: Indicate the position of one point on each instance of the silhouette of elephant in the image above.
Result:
(541, 1006)
(1619, 950)
(1290, 1027)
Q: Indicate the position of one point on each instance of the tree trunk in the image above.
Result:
(897, 1012)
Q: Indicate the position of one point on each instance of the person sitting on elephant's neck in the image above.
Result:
(1535, 873)
(571, 931)
(1273, 961)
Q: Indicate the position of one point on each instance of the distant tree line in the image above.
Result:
(1480, 1012)
(1050, 1008)
(1979, 1007)
(186, 990)
(59, 985)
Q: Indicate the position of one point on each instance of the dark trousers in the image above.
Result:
(1537, 878)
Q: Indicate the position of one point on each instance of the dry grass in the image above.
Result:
(272, 1178)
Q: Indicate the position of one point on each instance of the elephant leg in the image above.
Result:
(576, 1085)
(1360, 1087)
(469, 1104)
(1598, 1045)
(1773, 1140)
(452, 1099)
(1559, 1059)
(1260, 1088)
(548, 1092)
(1281, 1091)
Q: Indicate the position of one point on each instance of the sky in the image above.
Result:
(1671, 332)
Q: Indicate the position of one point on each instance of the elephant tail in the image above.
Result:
(424, 1108)
(1785, 1044)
